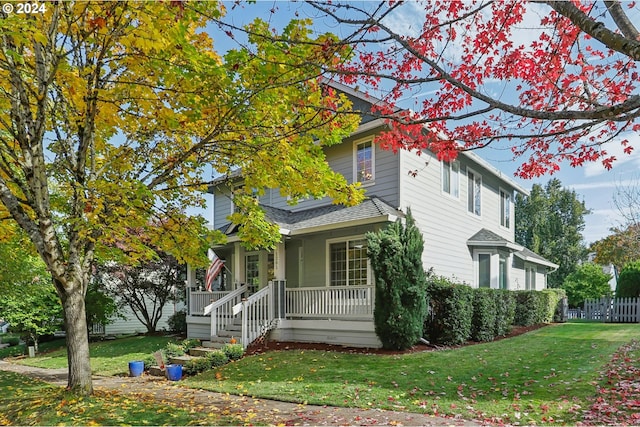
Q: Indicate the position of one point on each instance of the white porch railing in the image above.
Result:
(222, 310)
(198, 300)
(257, 315)
(333, 302)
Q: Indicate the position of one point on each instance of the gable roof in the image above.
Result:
(488, 238)
(328, 217)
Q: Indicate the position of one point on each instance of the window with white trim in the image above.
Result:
(474, 192)
(348, 263)
(505, 209)
(451, 178)
(364, 162)
(530, 277)
(484, 270)
(503, 273)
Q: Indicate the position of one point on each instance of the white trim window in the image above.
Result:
(530, 277)
(503, 272)
(505, 209)
(364, 162)
(484, 269)
(474, 192)
(451, 178)
(348, 263)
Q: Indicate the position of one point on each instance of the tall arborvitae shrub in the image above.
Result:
(629, 281)
(396, 258)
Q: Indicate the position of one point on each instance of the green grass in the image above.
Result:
(26, 401)
(107, 357)
(21, 349)
(548, 375)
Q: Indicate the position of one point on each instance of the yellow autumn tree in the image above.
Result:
(110, 114)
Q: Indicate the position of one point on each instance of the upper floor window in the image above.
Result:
(450, 178)
(505, 209)
(364, 160)
(474, 192)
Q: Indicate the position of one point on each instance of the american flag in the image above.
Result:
(214, 269)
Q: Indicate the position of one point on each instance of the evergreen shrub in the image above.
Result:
(483, 323)
(505, 311)
(450, 312)
(629, 281)
(396, 259)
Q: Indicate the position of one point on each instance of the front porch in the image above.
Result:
(340, 315)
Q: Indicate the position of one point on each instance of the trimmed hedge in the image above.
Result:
(483, 322)
(450, 312)
(505, 311)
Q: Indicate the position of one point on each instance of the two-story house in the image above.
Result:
(464, 209)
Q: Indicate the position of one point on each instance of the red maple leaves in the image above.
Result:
(529, 76)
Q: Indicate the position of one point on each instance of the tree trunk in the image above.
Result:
(75, 321)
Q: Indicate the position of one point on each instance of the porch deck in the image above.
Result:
(337, 315)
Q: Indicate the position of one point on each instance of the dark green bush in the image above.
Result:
(483, 322)
(505, 311)
(629, 281)
(178, 322)
(531, 307)
(233, 351)
(450, 312)
(12, 341)
(400, 308)
(217, 358)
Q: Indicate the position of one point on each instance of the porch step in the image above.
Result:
(201, 351)
(216, 342)
(181, 360)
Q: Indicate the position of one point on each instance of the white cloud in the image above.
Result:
(614, 148)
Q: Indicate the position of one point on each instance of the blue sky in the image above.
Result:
(593, 183)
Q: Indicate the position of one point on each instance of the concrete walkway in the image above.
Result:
(259, 411)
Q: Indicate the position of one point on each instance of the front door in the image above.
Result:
(259, 269)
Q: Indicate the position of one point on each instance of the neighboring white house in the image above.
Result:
(464, 209)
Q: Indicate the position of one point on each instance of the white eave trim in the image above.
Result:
(345, 224)
(494, 244)
(536, 260)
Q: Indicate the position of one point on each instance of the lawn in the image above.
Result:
(110, 357)
(545, 376)
(26, 401)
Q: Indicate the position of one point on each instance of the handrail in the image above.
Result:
(221, 310)
(257, 315)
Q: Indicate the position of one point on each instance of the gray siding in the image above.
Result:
(444, 220)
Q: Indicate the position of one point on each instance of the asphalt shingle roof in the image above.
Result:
(329, 214)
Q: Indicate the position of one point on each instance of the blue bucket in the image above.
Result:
(136, 368)
(174, 372)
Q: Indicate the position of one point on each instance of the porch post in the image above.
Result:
(191, 283)
(279, 261)
(278, 289)
(238, 265)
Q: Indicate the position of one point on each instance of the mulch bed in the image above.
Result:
(265, 346)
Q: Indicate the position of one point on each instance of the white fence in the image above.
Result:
(618, 310)
(333, 302)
